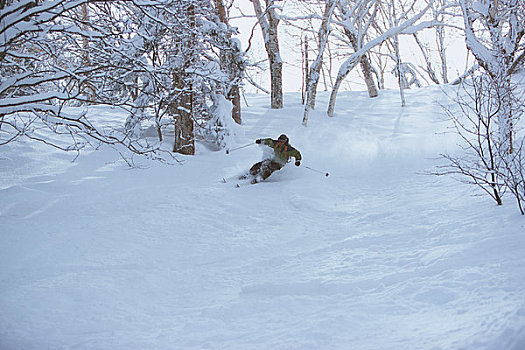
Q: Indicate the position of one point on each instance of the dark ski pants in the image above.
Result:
(265, 168)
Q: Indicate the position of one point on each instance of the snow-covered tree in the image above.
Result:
(151, 58)
(494, 31)
(194, 57)
(356, 19)
(43, 68)
(232, 60)
(448, 21)
(394, 20)
(405, 23)
(53, 54)
(491, 103)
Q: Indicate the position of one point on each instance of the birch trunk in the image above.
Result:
(442, 54)
(337, 85)
(366, 66)
(315, 70)
(269, 21)
(400, 73)
(305, 69)
(229, 64)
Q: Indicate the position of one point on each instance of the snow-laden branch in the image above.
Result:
(24, 16)
(15, 104)
(407, 27)
(123, 53)
(504, 24)
(482, 53)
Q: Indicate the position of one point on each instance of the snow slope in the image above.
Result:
(95, 255)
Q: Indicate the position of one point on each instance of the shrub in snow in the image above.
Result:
(476, 124)
(486, 161)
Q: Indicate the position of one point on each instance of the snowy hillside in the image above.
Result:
(378, 255)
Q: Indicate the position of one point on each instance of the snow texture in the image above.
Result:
(95, 255)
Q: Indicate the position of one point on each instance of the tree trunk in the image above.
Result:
(90, 89)
(276, 76)
(235, 97)
(85, 39)
(442, 54)
(182, 106)
(397, 56)
(182, 110)
(228, 63)
(505, 116)
(184, 139)
(369, 80)
(305, 69)
(268, 20)
(315, 70)
(366, 66)
(337, 85)
(400, 72)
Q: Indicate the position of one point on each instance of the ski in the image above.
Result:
(246, 183)
(241, 181)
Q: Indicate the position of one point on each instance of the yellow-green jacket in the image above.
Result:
(283, 152)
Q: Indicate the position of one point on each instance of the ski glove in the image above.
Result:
(297, 163)
(258, 141)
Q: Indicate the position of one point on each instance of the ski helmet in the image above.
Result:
(283, 138)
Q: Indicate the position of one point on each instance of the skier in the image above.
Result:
(282, 152)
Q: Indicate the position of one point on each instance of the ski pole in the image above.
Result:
(317, 171)
(235, 149)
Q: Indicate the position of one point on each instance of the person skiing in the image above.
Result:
(282, 152)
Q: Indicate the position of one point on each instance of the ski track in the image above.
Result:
(372, 257)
